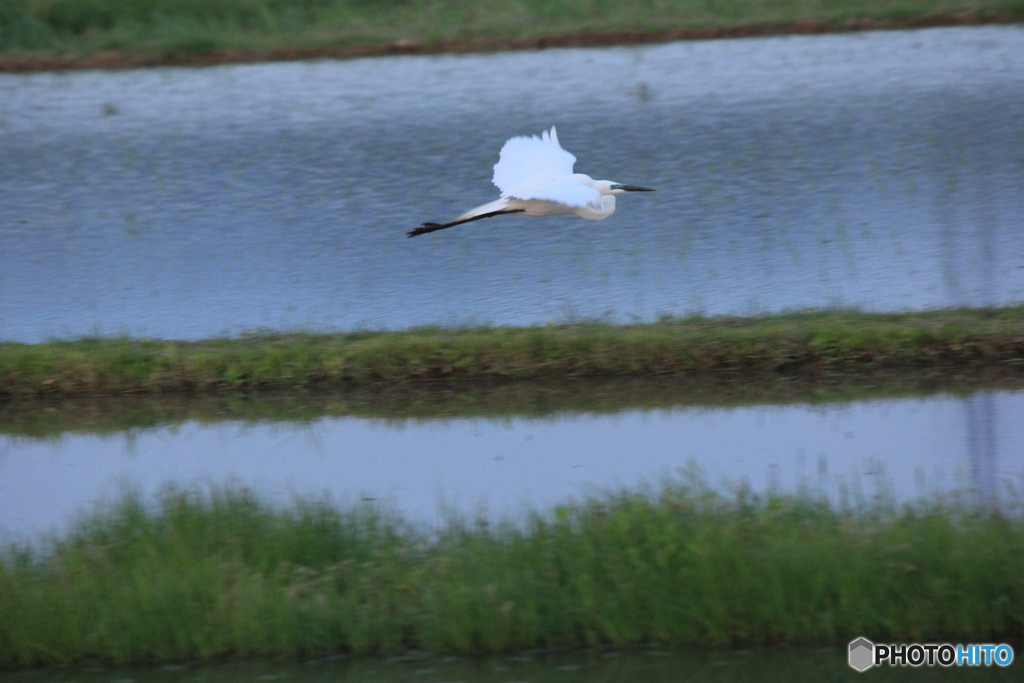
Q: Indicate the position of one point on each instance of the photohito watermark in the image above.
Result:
(864, 654)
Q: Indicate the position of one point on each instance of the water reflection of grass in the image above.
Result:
(223, 573)
(833, 345)
(51, 417)
(183, 29)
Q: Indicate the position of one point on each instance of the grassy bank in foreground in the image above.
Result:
(224, 574)
(118, 32)
(813, 344)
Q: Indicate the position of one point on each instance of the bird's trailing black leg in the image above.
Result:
(432, 227)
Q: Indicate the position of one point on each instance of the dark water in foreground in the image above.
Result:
(878, 170)
(646, 666)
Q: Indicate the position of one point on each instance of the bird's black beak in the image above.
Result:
(633, 188)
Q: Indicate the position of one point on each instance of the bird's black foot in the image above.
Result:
(423, 229)
(431, 227)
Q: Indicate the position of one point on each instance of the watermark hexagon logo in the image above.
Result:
(862, 654)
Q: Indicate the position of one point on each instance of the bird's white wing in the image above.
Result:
(527, 162)
(568, 192)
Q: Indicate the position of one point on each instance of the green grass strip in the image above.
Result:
(134, 31)
(223, 573)
(823, 344)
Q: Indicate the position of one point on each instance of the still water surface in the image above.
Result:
(879, 170)
(913, 447)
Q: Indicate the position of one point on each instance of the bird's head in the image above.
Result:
(609, 187)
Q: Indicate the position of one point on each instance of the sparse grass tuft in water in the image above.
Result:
(223, 573)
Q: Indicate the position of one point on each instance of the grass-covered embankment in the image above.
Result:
(819, 344)
(225, 574)
(68, 33)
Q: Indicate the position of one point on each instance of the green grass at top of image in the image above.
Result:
(818, 344)
(222, 573)
(161, 28)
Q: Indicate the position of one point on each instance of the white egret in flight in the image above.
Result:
(535, 177)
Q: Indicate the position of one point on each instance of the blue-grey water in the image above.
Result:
(908, 448)
(878, 170)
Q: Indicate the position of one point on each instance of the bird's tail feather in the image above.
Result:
(496, 205)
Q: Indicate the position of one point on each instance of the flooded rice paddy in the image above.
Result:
(877, 170)
(909, 448)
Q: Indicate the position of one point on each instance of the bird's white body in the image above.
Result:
(535, 177)
(546, 207)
